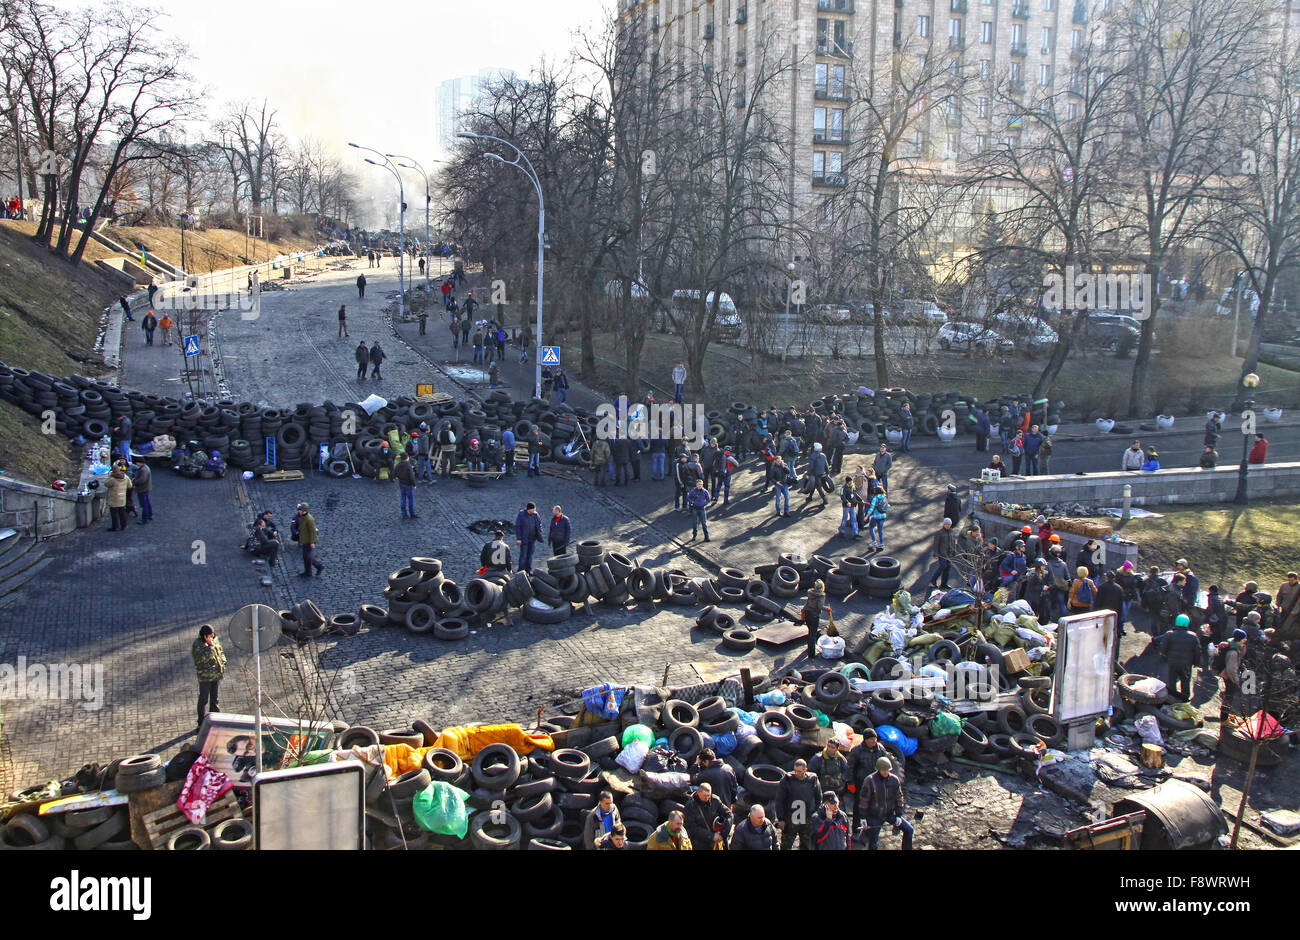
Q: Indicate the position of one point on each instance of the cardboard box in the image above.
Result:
(1015, 660)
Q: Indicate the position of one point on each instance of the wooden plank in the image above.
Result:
(161, 823)
(278, 476)
(781, 634)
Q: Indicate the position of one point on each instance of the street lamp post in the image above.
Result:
(789, 287)
(1249, 383)
(428, 261)
(521, 163)
(401, 195)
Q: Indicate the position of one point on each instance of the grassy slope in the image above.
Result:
(1225, 544)
(49, 317)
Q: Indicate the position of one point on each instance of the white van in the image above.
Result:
(686, 306)
(916, 311)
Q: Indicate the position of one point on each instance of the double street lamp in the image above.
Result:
(427, 200)
(1249, 383)
(401, 195)
(522, 164)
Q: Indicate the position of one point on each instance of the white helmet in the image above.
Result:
(817, 447)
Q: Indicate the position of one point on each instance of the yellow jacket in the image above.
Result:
(116, 488)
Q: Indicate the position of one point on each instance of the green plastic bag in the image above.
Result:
(823, 719)
(440, 808)
(638, 733)
(945, 723)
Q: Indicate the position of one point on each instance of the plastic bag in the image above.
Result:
(945, 723)
(903, 604)
(633, 755)
(1185, 711)
(773, 698)
(440, 808)
(1149, 728)
(746, 718)
(891, 735)
(637, 733)
(1149, 685)
(1021, 608)
(842, 735)
(823, 719)
(830, 647)
(924, 639)
(724, 744)
(956, 598)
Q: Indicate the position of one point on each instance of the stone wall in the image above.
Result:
(43, 513)
(1182, 485)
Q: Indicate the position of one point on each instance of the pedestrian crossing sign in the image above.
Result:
(550, 355)
(191, 346)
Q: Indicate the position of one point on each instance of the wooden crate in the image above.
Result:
(280, 476)
(159, 824)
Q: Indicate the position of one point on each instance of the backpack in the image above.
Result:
(1220, 660)
(1084, 594)
(293, 528)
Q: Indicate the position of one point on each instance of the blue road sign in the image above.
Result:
(191, 346)
(550, 355)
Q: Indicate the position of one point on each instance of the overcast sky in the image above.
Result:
(365, 71)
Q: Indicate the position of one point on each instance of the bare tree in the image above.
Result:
(1185, 83)
(253, 145)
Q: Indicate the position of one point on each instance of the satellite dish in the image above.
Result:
(240, 629)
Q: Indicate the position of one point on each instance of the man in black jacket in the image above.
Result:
(882, 800)
(755, 833)
(621, 449)
(708, 820)
(377, 358)
(363, 359)
(952, 505)
(831, 830)
(1182, 651)
(862, 764)
(717, 774)
(1110, 596)
(495, 556)
(798, 796)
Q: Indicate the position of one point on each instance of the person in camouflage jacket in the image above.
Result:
(209, 666)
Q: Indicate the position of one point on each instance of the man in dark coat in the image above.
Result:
(377, 358)
(363, 359)
(1182, 651)
(708, 820)
(561, 531)
(952, 505)
(755, 833)
(798, 796)
(717, 774)
(528, 532)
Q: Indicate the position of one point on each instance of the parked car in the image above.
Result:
(1026, 330)
(685, 306)
(827, 313)
(863, 311)
(1111, 334)
(960, 334)
(916, 311)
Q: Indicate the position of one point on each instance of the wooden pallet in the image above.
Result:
(161, 823)
(279, 476)
(434, 398)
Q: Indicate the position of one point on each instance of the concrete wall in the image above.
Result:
(43, 513)
(1149, 489)
(1114, 552)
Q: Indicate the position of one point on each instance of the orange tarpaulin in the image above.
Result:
(466, 742)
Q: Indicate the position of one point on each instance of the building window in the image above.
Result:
(1045, 75)
(1014, 73)
(1017, 34)
(837, 124)
(986, 68)
(833, 164)
(951, 145)
(1049, 5)
(819, 78)
(954, 29)
(982, 107)
(923, 26)
(1047, 39)
(1072, 111)
(986, 32)
(819, 163)
(837, 81)
(1156, 121)
(1076, 39)
(981, 143)
(819, 120)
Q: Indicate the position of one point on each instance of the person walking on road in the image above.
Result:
(945, 550)
(881, 464)
(377, 357)
(454, 328)
(423, 442)
(126, 308)
(817, 468)
(883, 802)
(363, 360)
(423, 316)
(1182, 652)
(361, 287)
(307, 539)
(149, 324)
(812, 615)
(781, 476)
(679, 382)
(877, 509)
(209, 668)
(166, 324)
(849, 501)
(952, 504)
(698, 501)
(478, 347)
(528, 532)
(908, 423)
(143, 485)
(343, 321)
(404, 474)
(534, 451)
(561, 385)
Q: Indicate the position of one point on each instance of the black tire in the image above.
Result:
(496, 767)
(886, 667)
(569, 763)
(540, 844)
(138, 764)
(680, 714)
(232, 835)
(1012, 719)
(408, 784)
(944, 646)
(547, 614)
(1047, 729)
(189, 839)
(727, 723)
(1001, 744)
(401, 736)
(801, 716)
(881, 587)
(1036, 701)
(605, 747)
(973, 740)
(832, 688)
(781, 735)
(1024, 744)
(687, 742)
(359, 736)
(758, 615)
(884, 566)
(1125, 688)
(738, 638)
(137, 783)
(711, 709)
(534, 787)
(1034, 682)
(761, 780)
(1167, 720)
(443, 765)
(534, 806)
(81, 820)
(420, 618)
(500, 834)
(888, 700)
(451, 628)
(373, 614)
(26, 829)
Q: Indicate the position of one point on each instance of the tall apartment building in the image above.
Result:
(839, 51)
(456, 96)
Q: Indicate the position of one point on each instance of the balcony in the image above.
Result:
(1016, 86)
(832, 137)
(1080, 14)
(708, 31)
(742, 16)
(960, 6)
(842, 48)
(822, 93)
(1019, 49)
(956, 43)
(740, 58)
(1020, 11)
(835, 6)
(828, 179)
(953, 119)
